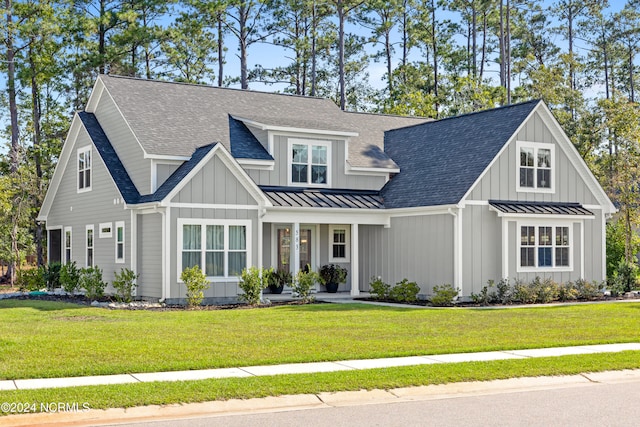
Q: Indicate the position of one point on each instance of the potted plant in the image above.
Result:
(278, 280)
(332, 275)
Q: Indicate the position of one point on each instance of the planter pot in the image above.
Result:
(332, 288)
(276, 289)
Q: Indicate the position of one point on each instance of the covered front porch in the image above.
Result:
(311, 228)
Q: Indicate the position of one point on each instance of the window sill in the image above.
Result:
(544, 269)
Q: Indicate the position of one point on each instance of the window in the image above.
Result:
(338, 243)
(309, 162)
(89, 241)
(219, 248)
(84, 169)
(545, 247)
(535, 167)
(67, 244)
(105, 230)
(120, 241)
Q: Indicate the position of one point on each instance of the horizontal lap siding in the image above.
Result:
(125, 144)
(339, 179)
(77, 210)
(419, 248)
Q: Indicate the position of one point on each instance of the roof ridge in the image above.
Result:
(208, 86)
(473, 113)
(366, 113)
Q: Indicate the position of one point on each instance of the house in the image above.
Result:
(158, 176)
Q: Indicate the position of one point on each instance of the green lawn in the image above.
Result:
(45, 339)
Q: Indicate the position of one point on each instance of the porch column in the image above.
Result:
(295, 231)
(355, 279)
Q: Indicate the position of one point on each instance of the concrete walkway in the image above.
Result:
(308, 368)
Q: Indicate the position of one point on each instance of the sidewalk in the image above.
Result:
(308, 368)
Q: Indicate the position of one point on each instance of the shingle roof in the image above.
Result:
(175, 119)
(440, 160)
(110, 158)
(245, 145)
(323, 198)
(546, 208)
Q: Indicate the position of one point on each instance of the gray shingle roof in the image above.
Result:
(545, 208)
(175, 119)
(245, 145)
(440, 160)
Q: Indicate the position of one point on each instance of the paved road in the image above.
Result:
(590, 404)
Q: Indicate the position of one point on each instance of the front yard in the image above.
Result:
(49, 339)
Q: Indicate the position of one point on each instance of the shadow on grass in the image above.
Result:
(39, 305)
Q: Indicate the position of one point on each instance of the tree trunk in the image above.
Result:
(220, 50)
(243, 14)
(434, 46)
(508, 53)
(314, 36)
(101, 39)
(387, 48)
(37, 146)
(341, 82)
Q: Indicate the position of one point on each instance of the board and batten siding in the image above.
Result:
(103, 204)
(339, 179)
(124, 143)
(500, 181)
(481, 248)
(419, 248)
(214, 184)
(149, 253)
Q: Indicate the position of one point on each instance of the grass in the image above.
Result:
(49, 339)
(161, 393)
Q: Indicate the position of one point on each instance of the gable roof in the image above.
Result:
(173, 119)
(440, 160)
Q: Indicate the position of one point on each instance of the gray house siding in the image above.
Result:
(339, 179)
(149, 255)
(324, 237)
(103, 204)
(499, 182)
(481, 254)
(419, 248)
(124, 143)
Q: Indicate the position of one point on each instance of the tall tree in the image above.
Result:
(343, 8)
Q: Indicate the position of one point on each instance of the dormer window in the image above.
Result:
(309, 162)
(535, 167)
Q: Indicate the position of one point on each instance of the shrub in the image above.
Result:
(69, 277)
(524, 293)
(484, 297)
(303, 283)
(545, 291)
(333, 273)
(588, 290)
(252, 282)
(280, 278)
(379, 288)
(31, 279)
(52, 275)
(567, 292)
(196, 282)
(625, 277)
(92, 283)
(124, 283)
(404, 291)
(505, 293)
(443, 295)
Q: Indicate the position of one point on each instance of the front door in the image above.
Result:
(284, 247)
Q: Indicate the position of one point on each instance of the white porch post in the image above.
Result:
(295, 230)
(355, 279)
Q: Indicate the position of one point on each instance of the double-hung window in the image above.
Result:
(84, 169)
(309, 162)
(219, 248)
(545, 247)
(535, 166)
(338, 243)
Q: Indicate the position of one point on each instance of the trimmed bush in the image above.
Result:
(91, 281)
(69, 277)
(303, 282)
(379, 288)
(485, 297)
(252, 281)
(567, 292)
(443, 295)
(588, 290)
(524, 293)
(124, 283)
(405, 291)
(196, 283)
(504, 293)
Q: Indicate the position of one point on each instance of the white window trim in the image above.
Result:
(554, 169)
(105, 234)
(64, 245)
(308, 143)
(85, 149)
(86, 246)
(118, 225)
(347, 242)
(544, 223)
(203, 223)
